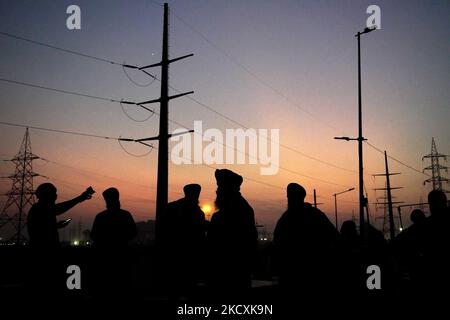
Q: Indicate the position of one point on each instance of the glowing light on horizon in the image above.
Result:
(207, 209)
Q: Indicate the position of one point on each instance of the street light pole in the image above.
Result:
(360, 139)
(360, 145)
(335, 211)
(335, 204)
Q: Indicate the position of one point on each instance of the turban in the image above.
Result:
(228, 179)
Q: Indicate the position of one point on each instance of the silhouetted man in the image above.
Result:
(47, 272)
(303, 238)
(231, 237)
(114, 227)
(42, 224)
(349, 259)
(439, 220)
(438, 242)
(409, 247)
(349, 234)
(111, 232)
(413, 237)
(437, 200)
(418, 217)
(183, 236)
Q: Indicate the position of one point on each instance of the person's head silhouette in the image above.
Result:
(348, 229)
(46, 193)
(228, 186)
(228, 180)
(417, 216)
(296, 195)
(437, 201)
(111, 196)
(192, 192)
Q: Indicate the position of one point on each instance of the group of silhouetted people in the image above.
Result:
(308, 253)
(219, 252)
(111, 231)
(112, 228)
(423, 248)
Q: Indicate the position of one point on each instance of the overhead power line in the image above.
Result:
(85, 55)
(267, 138)
(79, 94)
(245, 177)
(396, 160)
(58, 131)
(236, 62)
(27, 84)
(155, 78)
(146, 186)
(209, 108)
(256, 158)
(106, 137)
(95, 173)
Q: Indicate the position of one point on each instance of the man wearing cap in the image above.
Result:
(111, 233)
(41, 219)
(114, 227)
(47, 270)
(183, 239)
(437, 243)
(303, 238)
(231, 237)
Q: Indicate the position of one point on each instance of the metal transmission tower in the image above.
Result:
(21, 195)
(436, 178)
(164, 136)
(388, 189)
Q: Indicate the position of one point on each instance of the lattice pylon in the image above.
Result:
(21, 195)
(436, 178)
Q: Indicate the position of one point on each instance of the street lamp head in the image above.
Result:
(348, 190)
(342, 138)
(367, 30)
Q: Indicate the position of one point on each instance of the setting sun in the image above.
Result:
(207, 209)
